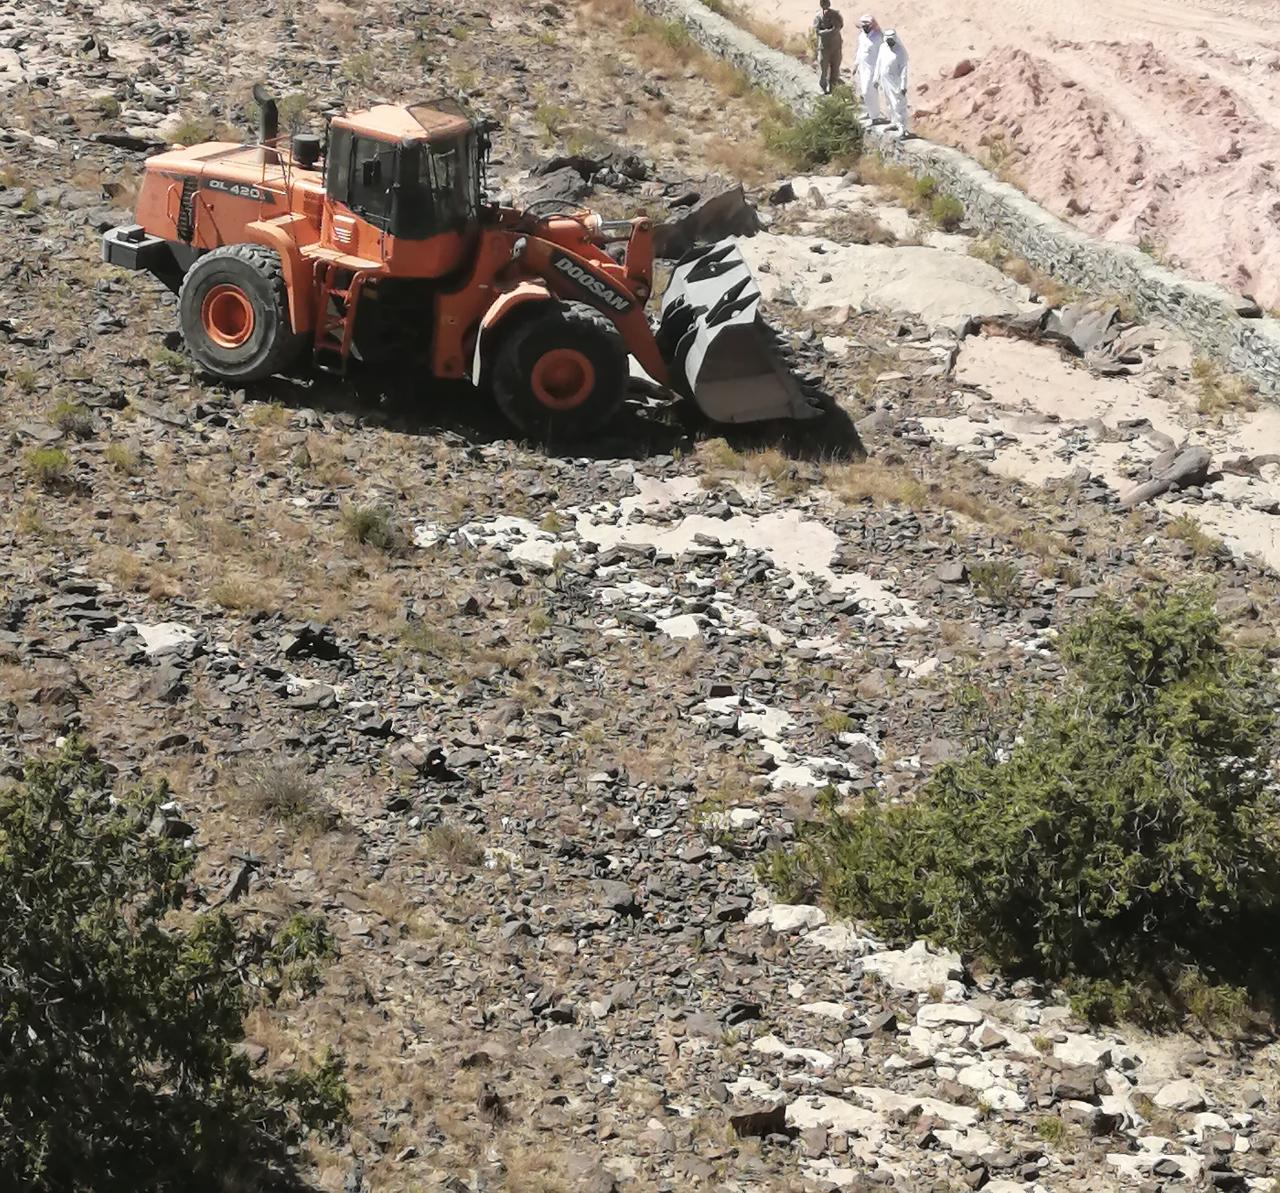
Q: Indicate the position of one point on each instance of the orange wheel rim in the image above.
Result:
(563, 378)
(227, 316)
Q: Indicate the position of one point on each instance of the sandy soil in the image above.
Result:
(1155, 122)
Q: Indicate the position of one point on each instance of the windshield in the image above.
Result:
(439, 187)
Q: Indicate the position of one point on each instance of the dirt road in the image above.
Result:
(1150, 121)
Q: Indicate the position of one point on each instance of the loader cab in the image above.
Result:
(405, 186)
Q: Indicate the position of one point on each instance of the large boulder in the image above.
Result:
(607, 164)
(713, 218)
(1081, 329)
(565, 185)
(1171, 470)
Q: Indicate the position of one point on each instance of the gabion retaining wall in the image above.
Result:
(1207, 314)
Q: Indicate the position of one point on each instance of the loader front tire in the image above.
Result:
(560, 372)
(234, 311)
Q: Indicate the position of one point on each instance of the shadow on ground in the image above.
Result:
(645, 427)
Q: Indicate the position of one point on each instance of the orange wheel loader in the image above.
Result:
(378, 243)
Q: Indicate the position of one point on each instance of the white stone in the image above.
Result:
(922, 1040)
(752, 714)
(1136, 1166)
(972, 1140)
(840, 938)
(979, 1077)
(1180, 1095)
(518, 538)
(886, 1101)
(953, 991)
(931, 283)
(683, 625)
(164, 635)
(753, 1088)
(772, 1046)
(1121, 1108)
(1018, 1043)
(786, 918)
(1208, 1121)
(987, 1036)
(427, 534)
(1083, 1050)
(1000, 1098)
(937, 1013)
(801, 546)
(836, 1115)
(989, 1081)
(743, 818)
(830, 1010)
(915, 968)
(830, 1173)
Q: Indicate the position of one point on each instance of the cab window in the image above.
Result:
(439, 189)
(372, 173)
(360, 174)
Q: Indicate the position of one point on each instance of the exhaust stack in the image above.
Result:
(268, 122)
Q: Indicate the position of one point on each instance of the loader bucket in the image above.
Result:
(719, 349)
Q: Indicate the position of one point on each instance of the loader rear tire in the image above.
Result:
(234, 310)
(560, 372)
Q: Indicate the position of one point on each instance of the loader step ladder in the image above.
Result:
(336, 318)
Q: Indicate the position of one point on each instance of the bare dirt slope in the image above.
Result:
(1154, 123)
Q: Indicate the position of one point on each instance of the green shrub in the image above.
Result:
(676, 38)
(947, 212)
(1125, 841)
(997, 580)
(831, 133)
(552, 117)
(298, 951)
(1051, 1129)
(926, 187)
(119, 1011)
(193, 130)
(374, 526)
(25, 379)
(123, 459)
(73, 418)
(49, 467)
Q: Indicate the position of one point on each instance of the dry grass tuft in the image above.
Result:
(281, 790)
(877, 483)
(1219, 392)
(456, 847)
(1186, 529)
(1051, 291)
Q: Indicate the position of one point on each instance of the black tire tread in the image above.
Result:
(266, 263)
(505, 379)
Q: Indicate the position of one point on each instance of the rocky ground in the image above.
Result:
(524, 746)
